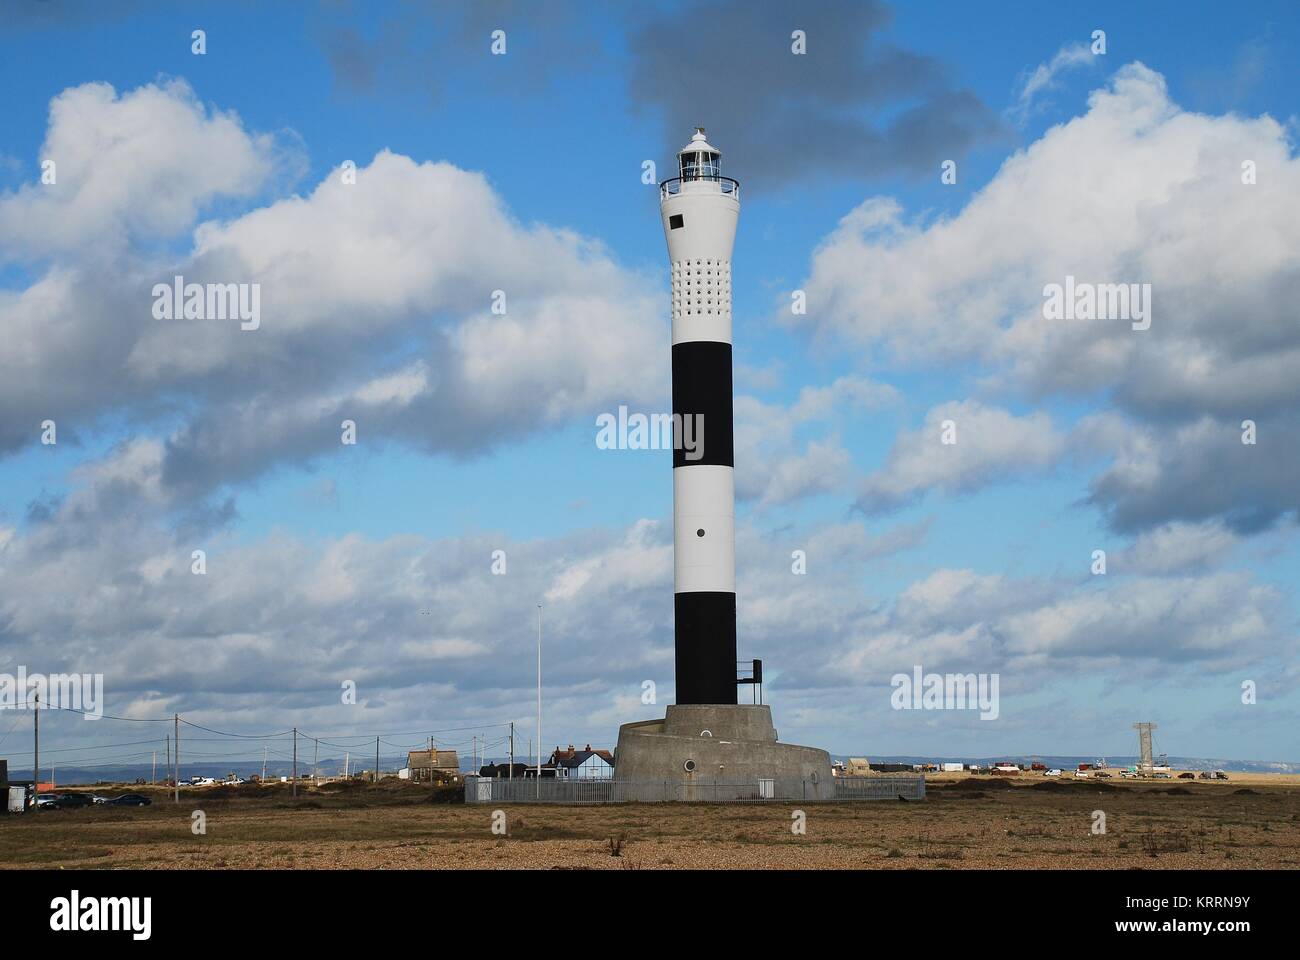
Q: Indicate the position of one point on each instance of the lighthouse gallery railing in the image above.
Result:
(674, 186)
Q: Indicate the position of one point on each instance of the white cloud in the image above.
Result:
(1125, 193)
(375, 300)
(1032, 628)
(991, 444)
(770, 469)
(140, 163)
(1043, 77)
(1178, 547)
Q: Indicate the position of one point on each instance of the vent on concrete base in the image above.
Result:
(689, 766)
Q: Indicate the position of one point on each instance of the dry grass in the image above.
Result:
(958, 827)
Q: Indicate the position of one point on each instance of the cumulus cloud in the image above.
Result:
(770, 468)
(140, 164)
(960, 620)
(375, 299)
(1179, 547)
(286, 619)
(1120, 194)
(990, 444)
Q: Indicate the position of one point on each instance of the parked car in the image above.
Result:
(1128, 775)
(1101, 775)
(1161, 776)
(1187, 776)
(69, 801)
(1054, 772)
(45, 799)
(131, 800)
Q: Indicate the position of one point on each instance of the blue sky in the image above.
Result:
(1079, 441)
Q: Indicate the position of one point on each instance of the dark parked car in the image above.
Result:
(131, 800)
(68, 801)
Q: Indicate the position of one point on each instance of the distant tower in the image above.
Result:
(1144, 745)
(699, 208)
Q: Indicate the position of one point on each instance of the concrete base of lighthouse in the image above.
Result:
(716, 751)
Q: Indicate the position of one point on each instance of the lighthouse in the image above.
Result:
(699, 208)
(707, 746)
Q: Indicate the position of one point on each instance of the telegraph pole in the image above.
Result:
(315, 761)
(511, 774)
(263, 763)
(36, 747)
(295, 761)
(176, 722)
(376, 778)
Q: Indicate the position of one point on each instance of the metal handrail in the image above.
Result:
(673, 185)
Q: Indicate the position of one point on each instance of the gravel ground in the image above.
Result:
(959, 826)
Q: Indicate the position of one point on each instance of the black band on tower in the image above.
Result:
(702, 387)
(705, 647)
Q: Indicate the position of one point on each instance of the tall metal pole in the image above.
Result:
(295, 761)
(510, 775)
(36, 748)
(539, 701)
(376, 777)
(176, 722)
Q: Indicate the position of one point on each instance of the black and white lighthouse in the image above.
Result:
(699, 208)
(707, 744)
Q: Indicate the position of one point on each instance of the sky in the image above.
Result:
(1160, 153)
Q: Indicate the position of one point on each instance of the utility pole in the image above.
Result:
(315, 760)
(539, 701)
(176, 721)
(376, 778)
(264, 763)
(36, 747)
(295, 761)
(511, 774)
(346, 758)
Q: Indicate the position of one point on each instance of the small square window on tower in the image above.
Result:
(675, 221)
